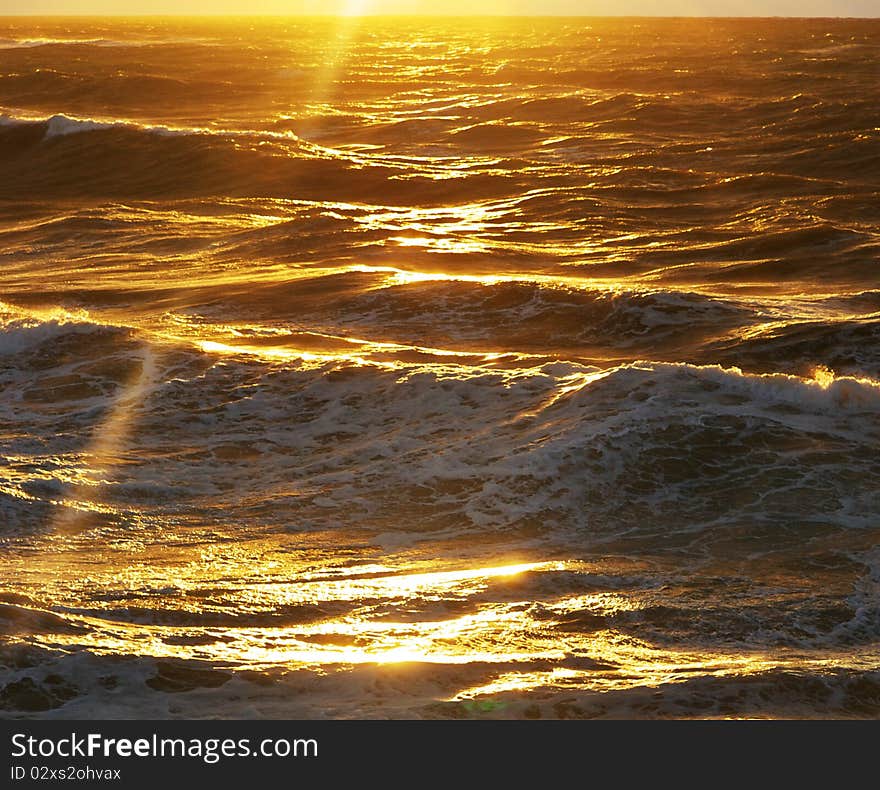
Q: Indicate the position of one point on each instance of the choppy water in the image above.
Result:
(420, 368)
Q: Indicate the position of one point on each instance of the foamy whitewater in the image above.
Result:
(418, 368)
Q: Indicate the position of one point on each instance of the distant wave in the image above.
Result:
(62, 125)
(509, 315)
(63, 155)
(30, 43)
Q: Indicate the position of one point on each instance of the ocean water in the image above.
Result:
(439, 368)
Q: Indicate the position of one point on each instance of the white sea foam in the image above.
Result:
(24, 330)
(62, 125)
(495, 447)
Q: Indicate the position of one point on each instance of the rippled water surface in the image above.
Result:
(419, 368)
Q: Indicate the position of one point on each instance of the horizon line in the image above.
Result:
(295, 15)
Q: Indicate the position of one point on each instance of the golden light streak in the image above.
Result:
(108, 445)
(398, 276)
(347, 25)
